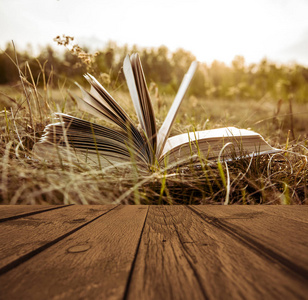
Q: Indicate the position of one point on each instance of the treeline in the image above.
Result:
(164, 69)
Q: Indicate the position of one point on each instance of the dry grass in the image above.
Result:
(278, 179)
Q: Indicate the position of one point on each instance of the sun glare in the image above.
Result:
(209, 29)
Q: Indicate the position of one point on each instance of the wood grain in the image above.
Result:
(155, 252)
(17, 211)
(286, 237)
(293, 212)
(18, 238)
(181, 256)
(92, 263)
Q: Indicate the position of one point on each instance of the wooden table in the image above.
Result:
(153, 252)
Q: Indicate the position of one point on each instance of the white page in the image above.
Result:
(164, 131)
(131, 83)
(184, 138)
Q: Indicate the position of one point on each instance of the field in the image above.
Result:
(279, 179)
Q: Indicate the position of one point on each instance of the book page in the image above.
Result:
(101, 104)
(141, 98)
(76, 135)
(101, 99)
(164, 131)
(184, 138)
(180, 146)
(132, 87)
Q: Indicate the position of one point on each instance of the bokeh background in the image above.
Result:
(248, 49)
(221, 29)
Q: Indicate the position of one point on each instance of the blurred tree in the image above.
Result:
(8, 71)
(161, 69)
(164, 68)
(181, 60)
(199, 83)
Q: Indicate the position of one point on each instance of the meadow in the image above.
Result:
(27, 106)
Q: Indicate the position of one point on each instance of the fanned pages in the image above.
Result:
(100, 103)
(97, 144)
(141, 98)
(76, 140)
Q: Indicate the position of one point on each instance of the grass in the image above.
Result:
(279, 179)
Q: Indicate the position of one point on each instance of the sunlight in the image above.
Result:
(209, 29)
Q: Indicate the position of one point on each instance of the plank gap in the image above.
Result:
(197, 276)
(33, 253)
(32, 213)
(259, 248)
(126, 292)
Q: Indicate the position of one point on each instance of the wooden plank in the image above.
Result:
(10, 211)
(294, 212)
(21, 237)
(92, 263)
(162, 270)
(287, 237)
(181, 256)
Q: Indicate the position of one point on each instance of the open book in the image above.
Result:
(81, 140)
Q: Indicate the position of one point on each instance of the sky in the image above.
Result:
(215, 29)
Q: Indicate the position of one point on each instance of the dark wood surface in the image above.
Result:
(153, 252)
